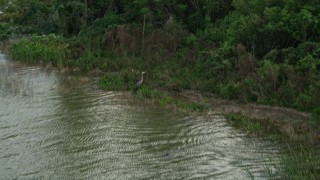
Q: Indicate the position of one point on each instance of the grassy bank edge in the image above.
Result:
(299, 159)
(51, 50)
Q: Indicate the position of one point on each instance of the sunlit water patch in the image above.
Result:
(51, 126)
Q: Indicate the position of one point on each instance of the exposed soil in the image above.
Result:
(4, 45)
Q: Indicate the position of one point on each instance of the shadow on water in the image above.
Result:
(54, 126)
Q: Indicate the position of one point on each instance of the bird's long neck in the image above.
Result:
(142, 77)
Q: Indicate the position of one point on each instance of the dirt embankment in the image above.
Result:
(293, 124)
(5, 45)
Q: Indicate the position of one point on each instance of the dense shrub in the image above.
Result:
(47, 49)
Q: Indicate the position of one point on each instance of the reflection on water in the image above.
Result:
(51, 126)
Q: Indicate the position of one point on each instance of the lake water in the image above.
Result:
(55, 126)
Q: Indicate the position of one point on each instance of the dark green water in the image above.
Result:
(53, 127)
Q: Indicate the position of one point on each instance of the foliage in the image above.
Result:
(46, 49)
(300, 163)
(4, 31)
(35, 18)
(93, 35)
(184, 44)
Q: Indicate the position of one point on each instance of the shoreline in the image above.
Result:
(290, 123)
(294, 125)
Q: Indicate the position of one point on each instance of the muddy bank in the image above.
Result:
(5, 45)
(292, 124)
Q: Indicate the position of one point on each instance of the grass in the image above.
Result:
(297, 161)
(249, 125)
(114, 83)
(120, 82)
(164, 99)
(148, 93)
(300, 163)
(192, 106)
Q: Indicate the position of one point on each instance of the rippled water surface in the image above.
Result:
(53, 126)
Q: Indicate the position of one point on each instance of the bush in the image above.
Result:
(215, 65)
(47, 48)
(4, 31)
(230, 90)
(269, 73)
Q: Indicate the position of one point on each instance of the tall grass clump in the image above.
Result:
(41, 49)
(113, 83)
(245, 123)
(168, 101)
(296, 161)
(300, 163)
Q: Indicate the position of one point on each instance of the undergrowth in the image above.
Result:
(44, 49)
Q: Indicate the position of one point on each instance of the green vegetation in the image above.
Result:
(164, 99)
(46, 49)
(298, 160)
(114, 82)
(168, 101)
(254, 127)
(4, 31)
(300, 163)
(266, 52)
(251, 51)
(247, 124)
